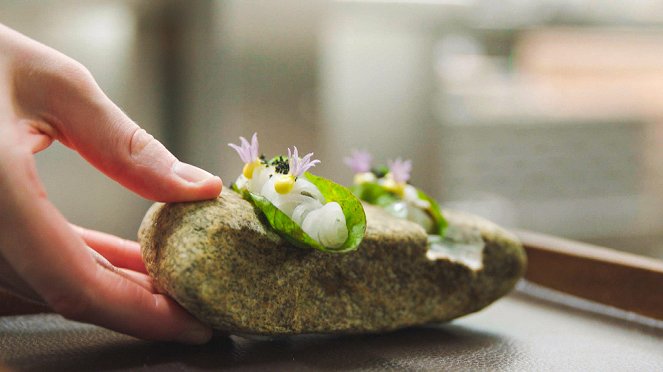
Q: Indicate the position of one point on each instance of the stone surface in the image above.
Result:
(222, 263)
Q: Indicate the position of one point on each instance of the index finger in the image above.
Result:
(63, 94)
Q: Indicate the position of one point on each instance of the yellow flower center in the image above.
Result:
(284, 183)
(249, 168)
(393, 186)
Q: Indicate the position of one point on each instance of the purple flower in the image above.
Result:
(400, 170)
(299, 166)
(359, 161)
(247, 152)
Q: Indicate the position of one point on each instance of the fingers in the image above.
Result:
(153, 316)
(120, 252)
(33, 136)
(141, 279)
(64, 94)
(38, 243)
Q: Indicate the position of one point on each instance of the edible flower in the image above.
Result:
(297, 167)
(248, 152)
(398, 175)
(308, 211)
(388, 187)
(360, 161)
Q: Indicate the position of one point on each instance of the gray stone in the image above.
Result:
(221, 262)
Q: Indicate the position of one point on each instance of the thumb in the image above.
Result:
(86, 120)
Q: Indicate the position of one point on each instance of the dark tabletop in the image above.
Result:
(519, 332)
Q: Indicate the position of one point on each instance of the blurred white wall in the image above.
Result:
(376, 82)
(265, 56)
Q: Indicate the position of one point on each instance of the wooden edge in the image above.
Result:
(622, 280)
(13, 305)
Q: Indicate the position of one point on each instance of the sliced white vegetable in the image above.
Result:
(305, 187)
(305, 204)
(302, 210)
(335, 231)
(288, 202)
(327, 225)
(268, 190)
(411, 195)
(397, 209)
(411, 212)
(241, 182)
(261, 174)
(312, 222)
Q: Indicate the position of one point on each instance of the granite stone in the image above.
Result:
(220, 260)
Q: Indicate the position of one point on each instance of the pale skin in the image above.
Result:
(84, 275)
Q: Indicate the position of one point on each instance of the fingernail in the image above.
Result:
(190, 173)
(196, 335)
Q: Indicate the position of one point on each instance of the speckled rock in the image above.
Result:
(222, 263)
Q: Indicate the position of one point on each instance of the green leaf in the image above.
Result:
(435, 211)
(283, 224)
(355, 218)
(376, 194)
(380, 171)
(373, 193)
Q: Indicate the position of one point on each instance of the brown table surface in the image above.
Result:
(520, 332)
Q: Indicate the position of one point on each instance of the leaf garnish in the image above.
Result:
(355, 217)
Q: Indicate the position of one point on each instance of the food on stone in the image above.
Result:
(221, 260)
(307, 210)
(388, 187)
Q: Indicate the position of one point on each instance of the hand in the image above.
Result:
(84, 275)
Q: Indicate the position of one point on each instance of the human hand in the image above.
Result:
(82, 274)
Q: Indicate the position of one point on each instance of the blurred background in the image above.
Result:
(544, 115)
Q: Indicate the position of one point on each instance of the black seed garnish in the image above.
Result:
(263, 160)
(282, 166)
